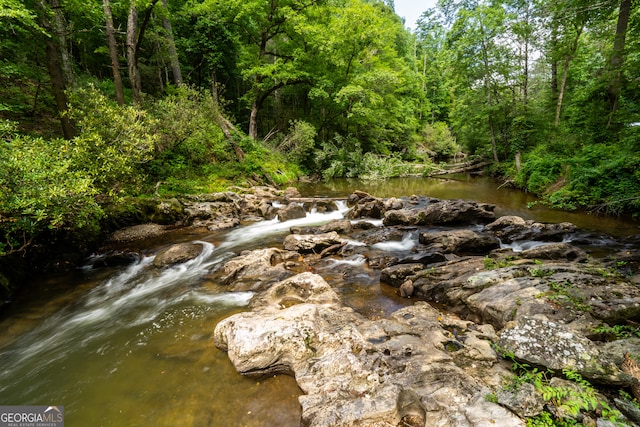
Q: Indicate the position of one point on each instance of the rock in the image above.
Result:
(301, 288)
(338, 225)
(311, 243)
(115, 259)
(211, 210)
(513, 228)
(456, 212)
(254, 270)
(461, 242)
(410, 409)
(628, 409)
(176, 254)
(554, 251)
(406, 289)
(401, 217)
(291, 211)
(291, 192)
(543, 343)
(137, 232)
(365, 208)
(524, 401)
(397, 274)
(353, 370)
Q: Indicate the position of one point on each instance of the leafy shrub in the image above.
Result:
(113, 142)
(438, 141)
(187, 135)
(298, 144)
(539, 171)
(41, 188)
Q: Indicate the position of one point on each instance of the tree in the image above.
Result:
(171, 46)
(113, 52)
(135, 36)
(617, 56)
(57, 60)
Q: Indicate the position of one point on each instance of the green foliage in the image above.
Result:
(575, 397)
(345, 158)
(617, 332)
(188, 139)
(567, 296)
(540, 171)
(493, 264)
(42, 189)
(113, 141)
(298, 144)
(438, 141)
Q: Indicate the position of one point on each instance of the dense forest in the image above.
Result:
(102, 101)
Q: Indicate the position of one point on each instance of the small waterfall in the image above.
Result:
(406, 244)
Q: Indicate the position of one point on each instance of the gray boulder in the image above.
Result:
(543, 343)
(176, 254)
(311, 243)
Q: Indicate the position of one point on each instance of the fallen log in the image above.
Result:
(467, 168)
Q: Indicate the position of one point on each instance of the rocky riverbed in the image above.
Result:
(482, 293)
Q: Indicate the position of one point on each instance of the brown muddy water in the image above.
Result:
(132, 346)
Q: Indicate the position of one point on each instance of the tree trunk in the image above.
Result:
(253, 120)
(113, 51)
(60, 29)
(617, 56)
(565, 72)
(132, 54)
(56, 73)
(171, 47)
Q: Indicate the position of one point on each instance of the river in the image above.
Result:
(132, 346)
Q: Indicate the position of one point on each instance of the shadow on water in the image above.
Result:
(133, 346)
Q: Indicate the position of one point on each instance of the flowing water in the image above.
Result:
(132, 346)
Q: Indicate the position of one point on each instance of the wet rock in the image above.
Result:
(115, 259)
(353, 370)
(396, 275)
(461, 242)
(543, 343)
(311, 243)
(320, 205)
(291, 192)
(299, 289)
(401, 217)
(555, 251)
(254, 270)
(291, 211)
(366, 208)
(406, 289)
(176, 254)
(211, 210)
(514, 228)
(137, 232)
(448, 212)
(339, 226)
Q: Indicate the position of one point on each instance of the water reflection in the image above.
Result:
(480, 189)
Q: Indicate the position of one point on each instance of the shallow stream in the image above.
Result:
(132, 346)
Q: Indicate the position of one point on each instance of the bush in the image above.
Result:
(113, 142)
(42, 189)
(539, 171)
(298, 144)
(438, 141)
(188, 136)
